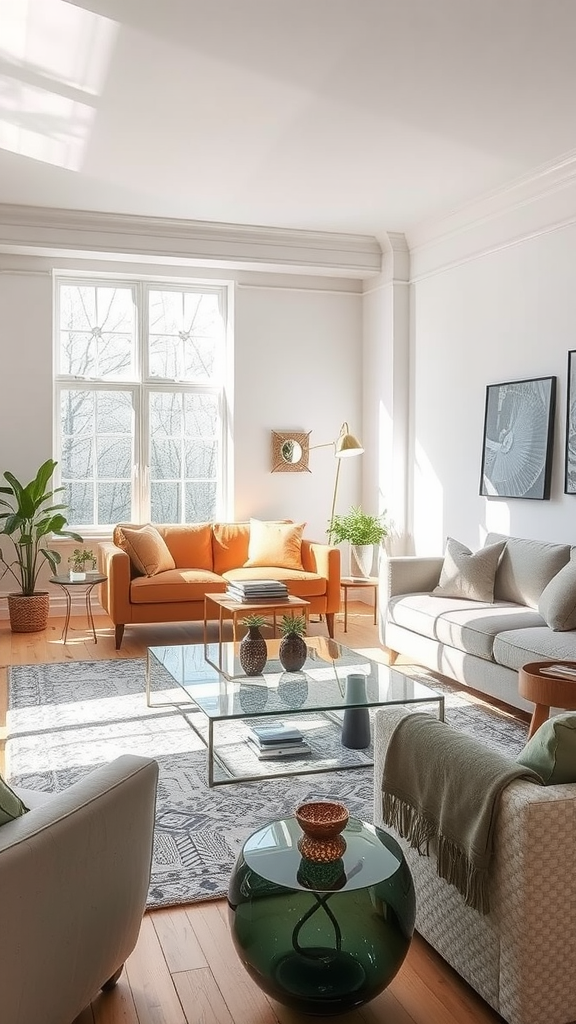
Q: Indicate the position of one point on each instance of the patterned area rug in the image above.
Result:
(63, 720)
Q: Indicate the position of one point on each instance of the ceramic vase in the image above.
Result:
(292, 652)
(356, 722)
(361, 560)
(253, 652)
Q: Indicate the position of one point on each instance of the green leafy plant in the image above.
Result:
(81, 557)
(292, 624)
(358, 527)
(253, 620)
(29, 520)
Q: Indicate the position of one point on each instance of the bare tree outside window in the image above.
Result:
(141, 399)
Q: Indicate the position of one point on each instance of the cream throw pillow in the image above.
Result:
(467, 574)
(557, 604)
(275, 544)
(146, 548)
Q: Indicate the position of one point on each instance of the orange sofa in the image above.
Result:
(203, 558)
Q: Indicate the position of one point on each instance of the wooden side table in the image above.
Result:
(355, 582)
(546, 691)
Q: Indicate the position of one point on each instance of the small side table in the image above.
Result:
(321, 937)
(546, 691)
(91, 581)
(358, 582)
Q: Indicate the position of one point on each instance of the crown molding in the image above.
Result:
(538, 186)
(51, 231)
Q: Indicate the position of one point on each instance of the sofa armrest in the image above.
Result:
(409, 574)
(114, 594)
(324, 559)
(74, 878)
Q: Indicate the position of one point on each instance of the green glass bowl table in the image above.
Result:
(321, 938)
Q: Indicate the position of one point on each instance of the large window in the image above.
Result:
(141, 401)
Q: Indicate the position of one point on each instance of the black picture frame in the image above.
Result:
(570, 450)
(518, 439)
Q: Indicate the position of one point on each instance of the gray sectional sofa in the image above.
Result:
(482, 644)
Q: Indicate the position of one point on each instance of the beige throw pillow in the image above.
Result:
(146, 548)
(275, 544)
(557, 604)
(467, 574)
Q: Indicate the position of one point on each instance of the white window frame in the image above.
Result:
(142, 385)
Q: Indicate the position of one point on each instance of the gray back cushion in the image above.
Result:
(526, 567)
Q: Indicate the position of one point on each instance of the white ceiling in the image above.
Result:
(340, 115)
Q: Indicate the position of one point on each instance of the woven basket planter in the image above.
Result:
(28, 614)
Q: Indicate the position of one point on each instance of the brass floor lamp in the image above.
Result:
(345, 446)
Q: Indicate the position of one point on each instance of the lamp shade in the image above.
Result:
(346, 444)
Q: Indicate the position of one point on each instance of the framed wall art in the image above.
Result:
(570, 459)
(518, 438)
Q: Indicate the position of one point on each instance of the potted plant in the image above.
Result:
(253, 652)
(292, 651)
(28, 518)
(78, 560)
(362, 531)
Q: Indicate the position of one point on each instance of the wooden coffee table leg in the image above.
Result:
(539, 716)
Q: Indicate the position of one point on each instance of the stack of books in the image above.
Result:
(257, 590)
(271, 741)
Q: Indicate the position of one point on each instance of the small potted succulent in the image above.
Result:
(292, 651)
(78, 560)
(253, 652)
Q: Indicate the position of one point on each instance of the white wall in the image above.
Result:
(296, 366)
(492, 303)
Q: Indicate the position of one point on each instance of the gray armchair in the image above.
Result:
(74, 876)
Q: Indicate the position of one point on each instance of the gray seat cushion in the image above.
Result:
(514, 648)
(469, 626)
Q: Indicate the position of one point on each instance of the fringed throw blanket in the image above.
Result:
(442, 785)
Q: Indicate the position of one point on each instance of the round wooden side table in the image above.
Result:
(350, 583)
(546, 691)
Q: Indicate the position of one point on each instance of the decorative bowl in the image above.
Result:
(322, 819)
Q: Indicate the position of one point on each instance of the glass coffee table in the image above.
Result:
(221, 703)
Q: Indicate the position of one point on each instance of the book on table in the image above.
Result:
(561, 669)
(256, 590)
(269, 751)
(275, 735)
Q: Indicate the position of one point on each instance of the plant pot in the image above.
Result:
(253, 652)
(361, 560)
(292, 652)
(28, 613)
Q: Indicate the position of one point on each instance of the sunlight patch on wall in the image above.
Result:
(54, 59)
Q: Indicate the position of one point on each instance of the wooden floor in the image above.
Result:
(184, 969)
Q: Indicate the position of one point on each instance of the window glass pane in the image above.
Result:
(201, 415)
(114, 502)
(186, 336)
(165, 459)
(77, 413)
(200, 502)
(201, 459)
(165, 414)
(165, 502)
(76, 457)
(97, 331)
(114, 412)
(114, 457)
(80, 500)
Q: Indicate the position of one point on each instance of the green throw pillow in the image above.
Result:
(551, 752)
(11, 805)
